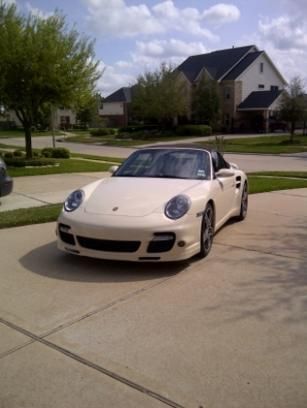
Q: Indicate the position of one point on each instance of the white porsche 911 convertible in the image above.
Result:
(164, 203)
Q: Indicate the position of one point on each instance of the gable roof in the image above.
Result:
(217, 63)
(121, 95)
(243, 64)
(260, 100)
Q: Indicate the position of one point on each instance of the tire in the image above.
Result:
(207, 231)
(244, 204)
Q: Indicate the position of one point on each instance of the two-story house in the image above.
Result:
(115, 107)
(250, 87)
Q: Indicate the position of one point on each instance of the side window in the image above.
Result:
(218, 161)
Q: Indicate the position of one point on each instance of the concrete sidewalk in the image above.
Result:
(229, 331)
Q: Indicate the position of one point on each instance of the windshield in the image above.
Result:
(167, 163)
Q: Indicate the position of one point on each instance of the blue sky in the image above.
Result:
(137, 35)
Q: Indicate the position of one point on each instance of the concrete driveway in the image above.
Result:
(229, 331)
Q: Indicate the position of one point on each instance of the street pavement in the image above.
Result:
(228, 331)
(248, 162)
(40, 190)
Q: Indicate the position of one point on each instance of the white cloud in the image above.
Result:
(116, 18)
(168, 49)
(114, 78)
(222, 13)
(9, 2)
(37, 12)
(285, 40)
(285, 32)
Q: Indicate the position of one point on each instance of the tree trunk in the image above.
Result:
(28, 139)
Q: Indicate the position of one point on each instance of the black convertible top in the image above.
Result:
(179, 146)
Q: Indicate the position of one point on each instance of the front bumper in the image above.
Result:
(151, 238)
(6, 186)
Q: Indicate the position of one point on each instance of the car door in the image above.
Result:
(224, 188)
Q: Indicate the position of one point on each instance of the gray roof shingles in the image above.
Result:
(217, 63)
(241, 67)
(121, 95)
(260, 99)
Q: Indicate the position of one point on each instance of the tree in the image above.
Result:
(43, 65)
(88, 113)
(206, 101)
(293, 104)
(160, 96)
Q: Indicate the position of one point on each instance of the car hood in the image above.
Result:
(134, 197)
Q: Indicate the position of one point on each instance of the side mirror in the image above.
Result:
(225, 173)
(113, 169)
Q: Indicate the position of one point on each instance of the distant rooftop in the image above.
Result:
(217, 63)
(121, 95)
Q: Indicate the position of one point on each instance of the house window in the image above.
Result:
(261, 86)
(261, 67)
(65, 120)
(274, 88)
(227, 92)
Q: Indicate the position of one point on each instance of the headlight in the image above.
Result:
(177, 207)
(74, 201)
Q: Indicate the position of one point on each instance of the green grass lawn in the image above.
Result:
(48, 213)
(258, 184)
(264, 144)
(27, 216)
(65, 166)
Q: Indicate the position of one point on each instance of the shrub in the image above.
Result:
(56, 153)
(18, 153)
(139, 128)
(102, 132)
(194, 130)
(8, 155)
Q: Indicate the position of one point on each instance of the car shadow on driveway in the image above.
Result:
(48, 261)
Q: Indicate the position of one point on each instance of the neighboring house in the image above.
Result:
(115, 108)
(250, 87)
(63, 118)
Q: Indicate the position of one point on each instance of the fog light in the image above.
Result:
(64, 228)
(181, 244)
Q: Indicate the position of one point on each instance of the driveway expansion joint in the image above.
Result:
(257, 251)
(89, 364)
(103, 308)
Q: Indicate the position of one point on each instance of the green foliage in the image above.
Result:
(194, 130)
(160, 96)
(102, 132)
(206, 102)
(88, 113)
(18, 153)
(56, 152)
(8, 155)
(293, 104)
(43, 64)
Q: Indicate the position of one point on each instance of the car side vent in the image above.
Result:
(238, 181)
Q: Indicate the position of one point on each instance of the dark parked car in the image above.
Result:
(6, 183)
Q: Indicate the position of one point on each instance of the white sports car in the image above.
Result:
(164, 203)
